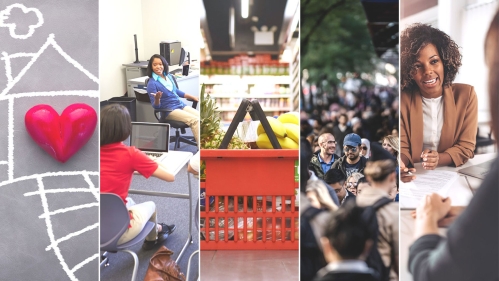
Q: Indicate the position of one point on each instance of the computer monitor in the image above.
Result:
(183, 55)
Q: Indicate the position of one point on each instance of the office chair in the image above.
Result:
(483, 141)
(114, 221)
(177, 125)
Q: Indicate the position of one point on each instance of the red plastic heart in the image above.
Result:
(61, 136)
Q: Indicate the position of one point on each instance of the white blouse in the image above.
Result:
(433, 120)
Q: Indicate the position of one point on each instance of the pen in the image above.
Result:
(408, 174)
(469, 185)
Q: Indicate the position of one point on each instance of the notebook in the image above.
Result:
(151, 138)
(477, 171)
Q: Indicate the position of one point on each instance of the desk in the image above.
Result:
(460, 195)
(175, 161)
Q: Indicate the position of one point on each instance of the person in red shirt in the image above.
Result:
(118, 162)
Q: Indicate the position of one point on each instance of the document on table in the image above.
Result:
(426, 183)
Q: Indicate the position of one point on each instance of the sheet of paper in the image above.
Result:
(429, 182)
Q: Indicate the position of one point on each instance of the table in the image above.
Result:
(460, 195)
(174, 162)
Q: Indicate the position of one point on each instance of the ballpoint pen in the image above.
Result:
(469, 185)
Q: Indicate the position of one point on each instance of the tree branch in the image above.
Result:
(321, 18)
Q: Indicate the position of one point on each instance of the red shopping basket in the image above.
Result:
(254, 204)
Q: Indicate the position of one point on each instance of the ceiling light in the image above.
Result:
(264, 28)
(232, 28)
(244, 8)
(254, 18)
(254, 29)
(273, 28)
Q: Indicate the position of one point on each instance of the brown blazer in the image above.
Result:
(458, 137)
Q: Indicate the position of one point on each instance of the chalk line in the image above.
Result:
(61, 190)
(50, 232)
(91, 185)
(48, 174)
(10, 142)
(71, 235)
(30, 63)
(12, 26)
(81, 264)
(64, 210)
(17, 55)
(73, 62)
(50, 41)
(84, 93)
(4, 162)
(8, 66)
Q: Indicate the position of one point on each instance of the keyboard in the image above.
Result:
(173, 72)
(154, 155)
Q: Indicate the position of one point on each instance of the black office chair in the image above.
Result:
(483, 141)
(177, 125)
(115, 219)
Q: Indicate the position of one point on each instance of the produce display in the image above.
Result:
(286, 128)
(239, 225)
(211, 133)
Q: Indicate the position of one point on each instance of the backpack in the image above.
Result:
(163, 268)
(374, 259)
(311, 256)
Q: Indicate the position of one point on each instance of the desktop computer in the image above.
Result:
(170, 50)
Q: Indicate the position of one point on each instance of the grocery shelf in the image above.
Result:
(272, 96)
(248, 79)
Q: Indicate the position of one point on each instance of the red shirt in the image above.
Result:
(117, 164)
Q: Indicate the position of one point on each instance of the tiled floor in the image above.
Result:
(249, 265)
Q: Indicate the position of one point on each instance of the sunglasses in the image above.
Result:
(352, 184)
(363, 147)
(350, 148)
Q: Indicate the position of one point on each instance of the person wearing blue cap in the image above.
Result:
(352, 161)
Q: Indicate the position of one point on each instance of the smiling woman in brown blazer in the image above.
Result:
(438, 119)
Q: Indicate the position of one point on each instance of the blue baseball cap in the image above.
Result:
(352, 140)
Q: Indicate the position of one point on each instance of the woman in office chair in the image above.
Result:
(117, 164)
(471, 250)
(164, 94)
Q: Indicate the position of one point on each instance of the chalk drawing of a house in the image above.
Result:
(53, 186)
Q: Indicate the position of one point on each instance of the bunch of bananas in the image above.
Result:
(286, 128)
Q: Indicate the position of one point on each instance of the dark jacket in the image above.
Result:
(340, 164)
(315, 165)
(347, 276)
(470, 251)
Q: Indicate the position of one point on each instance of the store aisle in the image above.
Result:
(249, 265)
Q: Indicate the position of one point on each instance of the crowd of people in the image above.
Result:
(370, 112)
(331, 183)
(349, 222)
